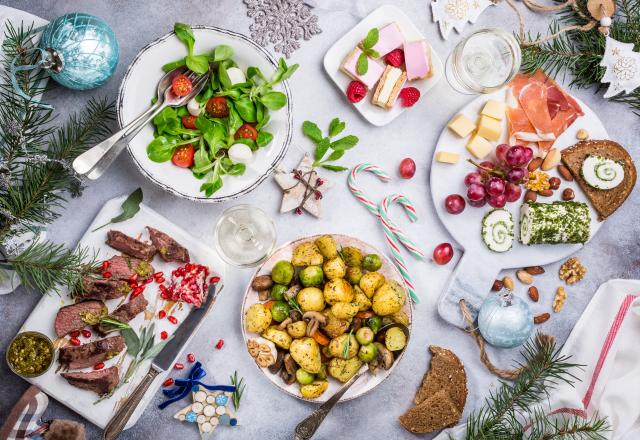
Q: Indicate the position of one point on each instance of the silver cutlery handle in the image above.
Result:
(121, 417)
(309, 426)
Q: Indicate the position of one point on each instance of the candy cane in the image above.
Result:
(398, 233)
(358, 193)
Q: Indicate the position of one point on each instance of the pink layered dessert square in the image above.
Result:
(417, 60)
(369, 79)
(390, 37)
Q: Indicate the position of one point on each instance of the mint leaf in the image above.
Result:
(337, 154)
(321, 149)
(363, 64)
(335, 168)
(345, 143)
(335, 127)
(312, 131)
(372, 53)
(371, 39)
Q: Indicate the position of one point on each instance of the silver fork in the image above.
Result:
(94, 162)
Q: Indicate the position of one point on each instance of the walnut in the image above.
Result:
(560, 298)
(572, 271)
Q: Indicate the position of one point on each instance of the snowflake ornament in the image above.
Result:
(622, 67)
(281, 23)
(454, 14)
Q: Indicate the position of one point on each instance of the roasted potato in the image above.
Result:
(334, 326)
(306, 352)
(310, 299)
(388, 299)
(370, 282)
(401, 318)
(334, 268)
(342, 310)
(352, 256)
(338, 345)
(307, 254)
(279, 337)
(297, 329)
(344, 369)
(360, 299)
(257, 318)
(338, 290)
(314, 389)
(327, 246)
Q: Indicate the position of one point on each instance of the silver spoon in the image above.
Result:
(96, 160)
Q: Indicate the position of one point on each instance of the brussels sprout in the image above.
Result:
(368, 353)
(278, 291)
(311, 276)
(304, 377)
(364, 335)
(352, 256)
(353, 274)
(371, 262)
(322, 374)
(280, 311)
(282, 272)
(374, 323)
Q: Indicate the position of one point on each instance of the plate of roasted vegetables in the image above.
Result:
(322, 308)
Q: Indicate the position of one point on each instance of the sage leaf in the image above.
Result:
(132, 341)
(130, 208)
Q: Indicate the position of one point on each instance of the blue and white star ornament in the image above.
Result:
(209, 410)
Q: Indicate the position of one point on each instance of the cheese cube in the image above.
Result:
(479, 146)
(447, 157)
(494, 109)
(489, 128)
(461, 125)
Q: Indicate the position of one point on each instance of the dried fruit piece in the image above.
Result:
(507, 281)
(524, 277)
(543, 317)
(560, 298)
(498, 285)
(572, 271)
(533, 293)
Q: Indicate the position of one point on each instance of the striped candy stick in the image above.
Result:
(399, 234)
(357, 191)
(399, 261)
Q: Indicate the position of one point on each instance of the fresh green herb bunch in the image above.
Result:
(324, 144)
(362, 65)
(240, 388)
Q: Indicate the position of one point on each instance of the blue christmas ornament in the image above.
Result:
(81, 50)
(505, 321)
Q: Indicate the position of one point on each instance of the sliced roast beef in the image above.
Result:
(126, 312)
(130, 246)
(73, 317)
(87, 355)
(102, 289)
(99, 381)
(168, 248)
(123, 267)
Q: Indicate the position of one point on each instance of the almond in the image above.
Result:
(546, 192)
(533, 293)
(535, 270)
(551, 160)
(507, 282)
(543, 317)
(524, 277)
(534, 164)
(565, 173)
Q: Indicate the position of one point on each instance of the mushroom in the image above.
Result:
(287, 378)
(277, 365)
(262, 282)
(283, 325)
(264, 295)
(374, 368)
(295, 315)
(385, 357)
(314, 320)
(356, 323)
(290, 365)
(292, 291)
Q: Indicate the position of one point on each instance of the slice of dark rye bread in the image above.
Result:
(436, 412)
(605, 202)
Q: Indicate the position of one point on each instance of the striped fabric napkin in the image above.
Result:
(25, 417)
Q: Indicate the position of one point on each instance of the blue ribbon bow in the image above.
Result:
(185, 386)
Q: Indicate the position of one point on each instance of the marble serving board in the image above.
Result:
(479, 266)
(43, 315)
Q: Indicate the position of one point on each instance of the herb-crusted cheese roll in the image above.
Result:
(554, 223)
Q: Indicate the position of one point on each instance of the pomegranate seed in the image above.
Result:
(158, 274)
(105, 265)
(74, 341)
(164, 295)
(75, 333)
(106, 274)
(298, 211)
(188, 267)
(86, 333)
(137, 291)
(98, 366)
(220, 344)
(133, 284)
(147, 281)
(178, 366)
(164, 335)
(159, 280)
(162, 314)
(191, 358)
(172, 319)
(214, 280)
(168, 382)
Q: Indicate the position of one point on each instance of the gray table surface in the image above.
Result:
(265, 412)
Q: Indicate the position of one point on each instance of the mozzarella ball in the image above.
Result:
(236, 75)
(193, 107)
(240, 153)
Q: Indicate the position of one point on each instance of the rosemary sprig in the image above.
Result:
(240, 387)
(347, 346)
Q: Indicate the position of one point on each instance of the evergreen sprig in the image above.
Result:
(579, 53)
(510, 412)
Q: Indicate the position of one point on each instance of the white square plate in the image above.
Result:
(335, 55)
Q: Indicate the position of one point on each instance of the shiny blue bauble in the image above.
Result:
(86, 48)
(505, 321)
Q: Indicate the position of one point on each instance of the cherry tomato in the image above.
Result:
(75, 333)
(168, 382)
(246, 131)
(407, 168)
(172, 319)
(164, 335)
(178, 366)
(162, 314)
(74, 341)
(189, 121)
(183, 156)
(86, 333)
(220, 344)
(191, 358)
(443, 253)
(98, 366)
(218, 107)
(181, 85)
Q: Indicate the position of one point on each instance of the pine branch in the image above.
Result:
(565, 427)
(47, 266)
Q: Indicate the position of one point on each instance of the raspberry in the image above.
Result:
(356, 91)
(395, 58)
(409, 96)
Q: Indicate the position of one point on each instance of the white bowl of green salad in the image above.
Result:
(227, 140)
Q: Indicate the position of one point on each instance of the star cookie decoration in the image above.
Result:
(623, 67)
(302, 188)
(209, 410)
(454, 14)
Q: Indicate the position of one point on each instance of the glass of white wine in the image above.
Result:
(483, 62)
(244, 235)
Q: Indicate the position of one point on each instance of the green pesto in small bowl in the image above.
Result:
(30, 354)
